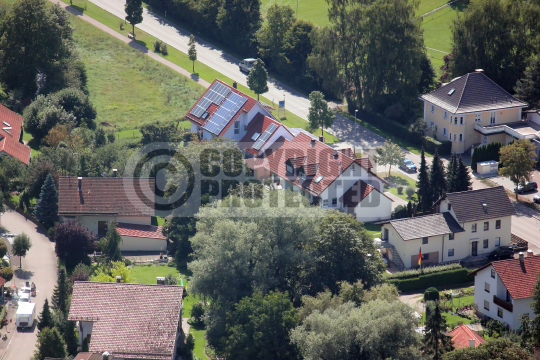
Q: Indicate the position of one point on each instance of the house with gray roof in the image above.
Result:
(473, 110)
(464, 224)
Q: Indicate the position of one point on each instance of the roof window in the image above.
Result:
(451, 91)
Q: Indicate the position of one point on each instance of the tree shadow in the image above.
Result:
(23, 274)
(78, 8)
(459, 5)
(397, 180)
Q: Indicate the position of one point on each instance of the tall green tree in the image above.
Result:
(272, 35)
(451, 174)
(257, 79)
(463, 177)
(70, 337)
(259, 327)
(535, 307)
(134, 13)
(46, 210)
(45, 318)
(487, 36)
(424, 192)
(517, 161)
(61, 293)
(528, 87)
(35, 40)
(73, 243)
(178, 230)
(436, 342)
(238, 22)
(297, 47)
(21, 245)
(320, 115)
(110, 245)
(437, 177)
(427, 81)
(389, 154)
(50, 345)
(192, 52)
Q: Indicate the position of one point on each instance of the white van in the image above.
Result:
(26, 314)
(246, 65)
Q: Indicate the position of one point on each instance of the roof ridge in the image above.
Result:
(415, 217)
(462, 91)
(116, 283)
(476, 190)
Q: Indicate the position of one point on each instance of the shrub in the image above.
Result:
(3, 249)
(7, 273)
(409, 191)
(450, 277)
(443, 147)
(394, 111)
(197, 312)
(414, 273)
(121, 24)
(164, 49)
(431, 294)
(157, 45)
(400, 190)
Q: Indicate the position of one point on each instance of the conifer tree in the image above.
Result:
(61, 293)
(70, 338)
(451, 173)
(46, 210)
(424, 187)
(437, 177)
(192, 52)
(528, 87)
(436, 342)
(258, 78)
(410, 211)
(50, 345)
(45, 318)
(110, 246)
(463, 177)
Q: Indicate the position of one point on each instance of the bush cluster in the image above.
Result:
(414, 273)
(485, 153)
(443, 147)
(160, 47)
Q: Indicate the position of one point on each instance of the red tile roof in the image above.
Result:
(110, 196)
(142, 231)
(300, 151)
(518, 278)
(461, 336)
(88, 356)
(258, 124)
(9, 138)
(212, 108)
(358, 192)
(132, 321)
(2, 281)
(364, 162)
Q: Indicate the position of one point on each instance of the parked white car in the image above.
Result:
(246, 65)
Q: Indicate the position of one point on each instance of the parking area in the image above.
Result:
(509, 185)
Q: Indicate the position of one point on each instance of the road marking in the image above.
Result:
(178, 37)
(10, 340)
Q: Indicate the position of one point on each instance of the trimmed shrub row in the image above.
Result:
(443, 147)
(450, 277)
(414, 273)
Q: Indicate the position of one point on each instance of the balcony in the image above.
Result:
(518, 130)
(505, 305)
(489, 130)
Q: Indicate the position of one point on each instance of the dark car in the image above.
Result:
(503, 252)
(408, 165)
(528, 186)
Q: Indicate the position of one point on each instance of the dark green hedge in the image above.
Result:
(450, 277)
(388, 125)
(443, 147)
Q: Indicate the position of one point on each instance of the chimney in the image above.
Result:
(521, 257)
(312, 142)
(234, 85)
(529, 253)
(106, 355)
(114, 171)
(80, 183)
(335, 154)
(471, 342)
(479, 70)
(160, 280)
(118, 279)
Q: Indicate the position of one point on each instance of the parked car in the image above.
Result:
(536, 198)
(503, 252)
(407, 165)
(528, 186)
(246, 65)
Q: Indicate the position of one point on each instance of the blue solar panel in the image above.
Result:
(265, 136)
(215, 95)
(225, 113)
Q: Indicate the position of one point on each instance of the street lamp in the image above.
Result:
(355, 133)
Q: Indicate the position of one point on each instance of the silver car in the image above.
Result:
(246, 65)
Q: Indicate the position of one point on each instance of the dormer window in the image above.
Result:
(302, 175)
(290, 169)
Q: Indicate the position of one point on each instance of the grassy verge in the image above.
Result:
(315, 11)
(400, 180)
(176, 56)
(200, 341)
(373, 230)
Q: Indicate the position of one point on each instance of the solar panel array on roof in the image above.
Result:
(225, 113)
(269, 131)
(215, 95)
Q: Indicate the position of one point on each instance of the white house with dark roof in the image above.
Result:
(472, 110)
(503, 290)
(129, 321)
(469, 223)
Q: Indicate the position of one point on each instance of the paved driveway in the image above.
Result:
(40, 267)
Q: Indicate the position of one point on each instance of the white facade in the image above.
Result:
(487, 286)
(92, 222)
(132, 243)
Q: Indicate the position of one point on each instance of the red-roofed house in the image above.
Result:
(261, 133)
(326, 176)
(503, 290)
(130, 321)
(224, 111)
(10, 135)
(96, 202)
(463, 337)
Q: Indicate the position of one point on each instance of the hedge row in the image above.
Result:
(450, 277)
(390, 126)
(414, 273)
(443, 147)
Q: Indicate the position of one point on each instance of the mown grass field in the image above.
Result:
(176, 56)
(400, 180)
(315, 11)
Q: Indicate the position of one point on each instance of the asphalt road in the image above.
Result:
(40, 267)
(208, 54)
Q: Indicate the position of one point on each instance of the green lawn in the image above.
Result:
(315, 11)
(402, 180)
(176, 56)
(453, 320)
(373, 230)
(200, 342)
(428, 5)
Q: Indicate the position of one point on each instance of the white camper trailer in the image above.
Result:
(26, 314)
